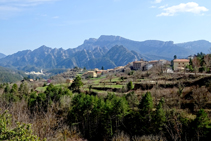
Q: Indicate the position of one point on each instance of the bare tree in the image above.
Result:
(200, 96)
(180, 87)
(109, 76)
(207, 60)
(196, 64)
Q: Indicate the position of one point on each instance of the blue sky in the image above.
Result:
(28, 24)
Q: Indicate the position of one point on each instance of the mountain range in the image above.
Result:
(2, 55)
(48, 58)
(151, 48)
(106, 51)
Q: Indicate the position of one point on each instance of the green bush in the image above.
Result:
(22, 132)
(130, 85)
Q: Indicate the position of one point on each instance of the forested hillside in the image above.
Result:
(9, 75)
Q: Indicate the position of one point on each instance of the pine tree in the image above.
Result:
(146, 104)
(175, 56)
(7, 89)
(14, 89)
(160, 116)
(201, 124)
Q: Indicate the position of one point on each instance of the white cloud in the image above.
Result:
(8, 8)
(153, 6)
(190, 7)
(163, 6)
(157, 1)
(14, 5)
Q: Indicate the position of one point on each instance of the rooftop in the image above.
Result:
(181, 60)
(153, 61)
(138, 61)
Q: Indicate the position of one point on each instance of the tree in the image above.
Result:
(180, 87)
(90, 88)
(122, 78)
(7, 89)
(102, 68)
(146, 104)
(130, 85)
(110, 76)
(132, 99)
(175, 56)
(207, 60)
(190, 62)
(201, 124)
(84, 68)
(77, 83)
(25, 89)
(196, 64)
(160, 116)
(14, 89)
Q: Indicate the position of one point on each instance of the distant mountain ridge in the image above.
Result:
(149, 47)
(48, 58)
(197, 46)
(107, 51)
(2, 55)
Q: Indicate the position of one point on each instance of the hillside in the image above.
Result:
(9, 75)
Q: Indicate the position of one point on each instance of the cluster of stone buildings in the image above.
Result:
(178, 64)
(146, 65)
(96, 72)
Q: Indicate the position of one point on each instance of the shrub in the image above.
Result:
(21, 132)
(130, 85)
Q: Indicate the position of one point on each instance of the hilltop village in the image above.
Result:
(178, 65)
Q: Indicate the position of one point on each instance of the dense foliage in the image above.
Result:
(102, 118)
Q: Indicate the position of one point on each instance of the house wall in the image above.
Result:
(138, 65)
(180, 64)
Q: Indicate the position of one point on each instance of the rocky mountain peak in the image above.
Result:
(109, 38)
(90, 40)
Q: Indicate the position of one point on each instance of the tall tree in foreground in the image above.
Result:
(160, 116)
(77, 83)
